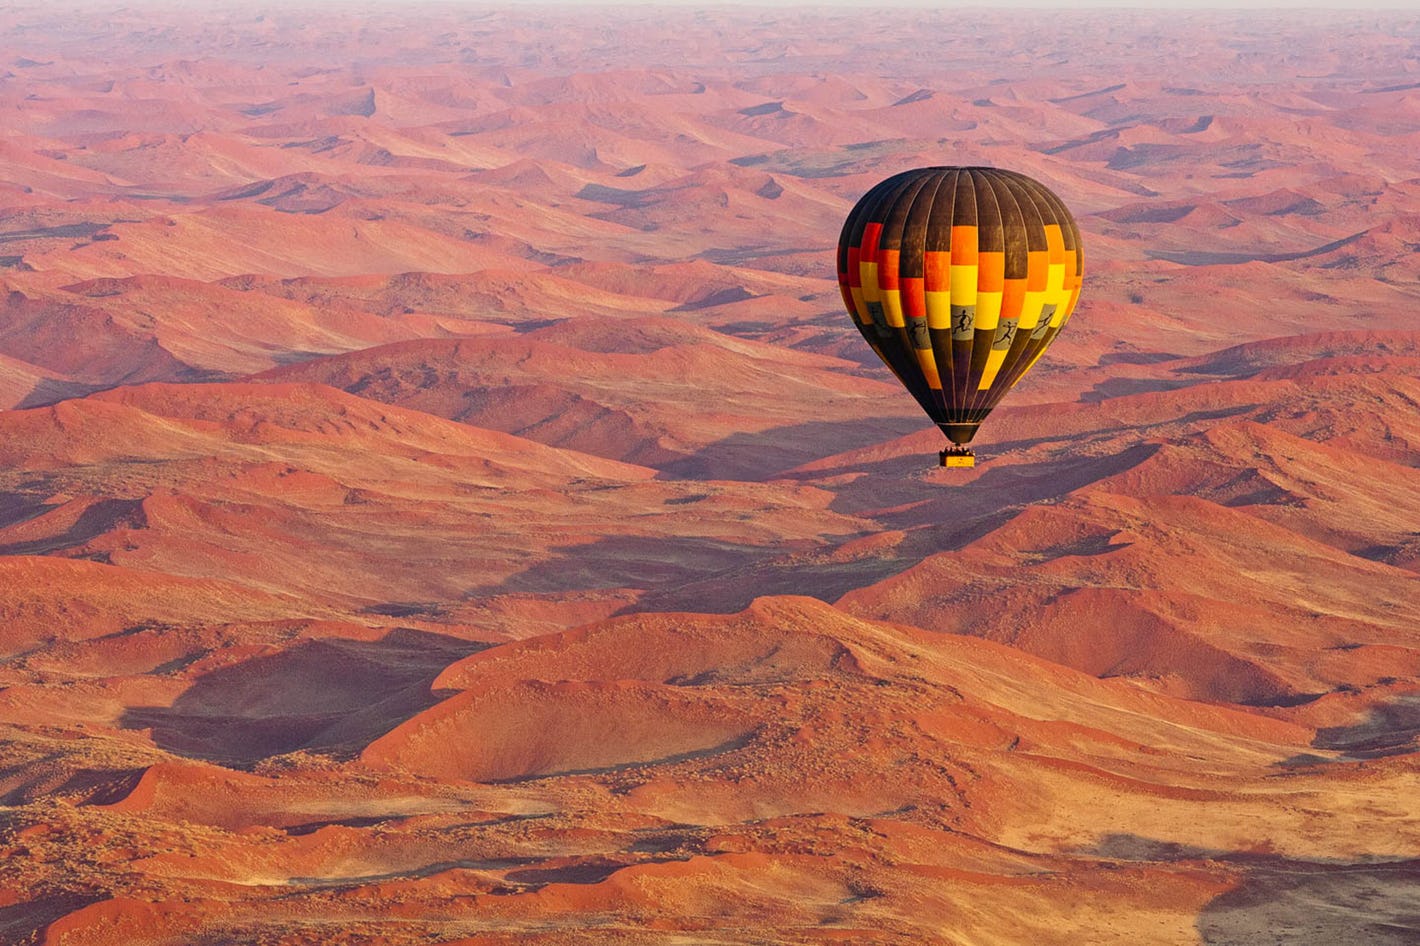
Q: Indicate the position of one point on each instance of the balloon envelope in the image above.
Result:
(959, 278)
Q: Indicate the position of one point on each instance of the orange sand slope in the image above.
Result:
(442, 500)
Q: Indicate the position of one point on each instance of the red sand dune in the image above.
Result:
(568, 385)
(442, 500)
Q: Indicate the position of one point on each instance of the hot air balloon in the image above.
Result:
(959, 278)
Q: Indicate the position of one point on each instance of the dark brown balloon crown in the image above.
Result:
(959, 278)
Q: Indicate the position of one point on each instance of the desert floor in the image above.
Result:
(442, 499)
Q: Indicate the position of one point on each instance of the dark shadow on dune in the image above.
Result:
(522, 873)
(1404, 554)
(16, 508)
(631, 562)
(407, 609)
(1304, 760)
(590, 871)
(1221, 258)
(1123, 387)
(100, 518)
(1137, 358)
(99, 786)
(1307, 904)
(960, 506)
(694, 574)
(1174, 425)
(413, 873)
(764, 455)
(311, 827)
(1135, 847)
(733, 591)
(49, 391)
(26, 922)
(331, 694)
(54, 777)
(712, 576)
(730, 745)
(1392, 728)
(1281, 901)
(64, 231)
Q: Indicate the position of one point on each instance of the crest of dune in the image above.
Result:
(443, 498)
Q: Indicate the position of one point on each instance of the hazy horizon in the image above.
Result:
(426, 6)
(450, 492)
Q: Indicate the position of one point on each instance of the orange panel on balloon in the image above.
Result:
(937, 271)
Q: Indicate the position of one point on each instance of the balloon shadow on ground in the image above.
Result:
(331, 695)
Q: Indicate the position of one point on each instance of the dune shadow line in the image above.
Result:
(331, 695)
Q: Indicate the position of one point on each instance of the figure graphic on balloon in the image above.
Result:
(959, 278)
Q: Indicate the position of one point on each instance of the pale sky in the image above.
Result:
(1360, 6)
(494, 5)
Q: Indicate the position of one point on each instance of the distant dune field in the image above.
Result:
(442, 499)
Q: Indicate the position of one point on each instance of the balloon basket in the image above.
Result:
(957, 456)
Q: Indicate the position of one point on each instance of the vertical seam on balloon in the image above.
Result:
(884, 196)
(1061, 217)
(976, 176)
(1006, 373)
(908, 218)
(941, 394)
(947, 398)
(909, 353)
(954, 414)
(973, 396)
